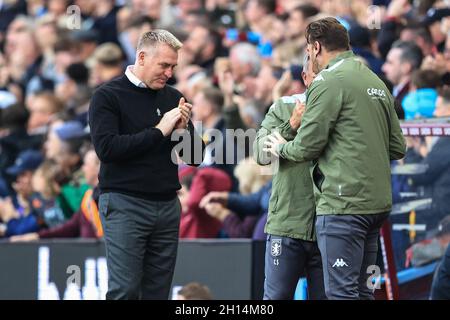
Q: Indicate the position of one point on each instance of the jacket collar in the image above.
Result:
(339, 57)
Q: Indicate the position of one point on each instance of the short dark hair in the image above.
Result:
(420, 32)
(74, 145)
(51, 100)
(13, 117)
(214, 96)
(330, 33)
(139, 21)
(410, 53)
(307, 10)
(268, 5)
(65, 44)
(426, 79)
(444, 92)
(78, 72)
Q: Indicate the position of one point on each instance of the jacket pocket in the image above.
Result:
(103, 204)
(318, 177)
(348, 190)
(273, 204)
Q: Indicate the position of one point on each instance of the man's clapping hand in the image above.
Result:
(185, 109)
(168, 121)
(177, 118)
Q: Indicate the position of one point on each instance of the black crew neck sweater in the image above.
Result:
(135, 156)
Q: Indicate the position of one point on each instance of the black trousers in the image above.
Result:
(141, 238)
(287, 260)
(349, 245)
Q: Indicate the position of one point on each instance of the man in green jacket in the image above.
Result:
(351, 131)
(291, 248)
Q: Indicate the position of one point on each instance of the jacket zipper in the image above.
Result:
(313, 227)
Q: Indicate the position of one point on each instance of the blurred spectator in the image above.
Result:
(108, 64)
(421, 99)
(440, 289)
(298, 20)
(129, 37)
(196, 18)
(63, 145)
(86, 41)
(392, 25)
(58, 7)
(42, 107)
(243, 214)
(194, 291)
(244, 64)
(431, 249)
(8, 11)
(402, 60)
(14, 222)
(23, 52)
(87, 8)
(13, 140)
(191, 79)
(46, 34)
(183, 8)
(22, 171)
(67, 51)
(207, 110)
(294, 44)
(85, 223)
(257, 12)
(360, 40)
(421, 37)
(265, 82)
(7, 96)
(195, 222)
(432, 22)
(436, 156)
(75, 91)
(48, 204)
(289, 83)
(105, 20)
(204, 45)
(19, 218)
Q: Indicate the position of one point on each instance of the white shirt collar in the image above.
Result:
(398, 88)
(133, 79)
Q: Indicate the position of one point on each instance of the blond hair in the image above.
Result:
(54, 177)
(250, 176)
(153, 38)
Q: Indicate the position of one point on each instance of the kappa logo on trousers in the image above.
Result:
(340, 263)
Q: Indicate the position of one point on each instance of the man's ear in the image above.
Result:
(317, 47)
(406, 68)
(141, 57)
(304, 76)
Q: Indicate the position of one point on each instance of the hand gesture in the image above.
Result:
(215, 196)
(282, 85)
(398, 8)
(185, 109)
(216, 210)
(168, 121)
(25, 237)
(273, 142)
(297, 114)
(7, 210)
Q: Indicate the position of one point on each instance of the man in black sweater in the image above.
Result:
(132, 119)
